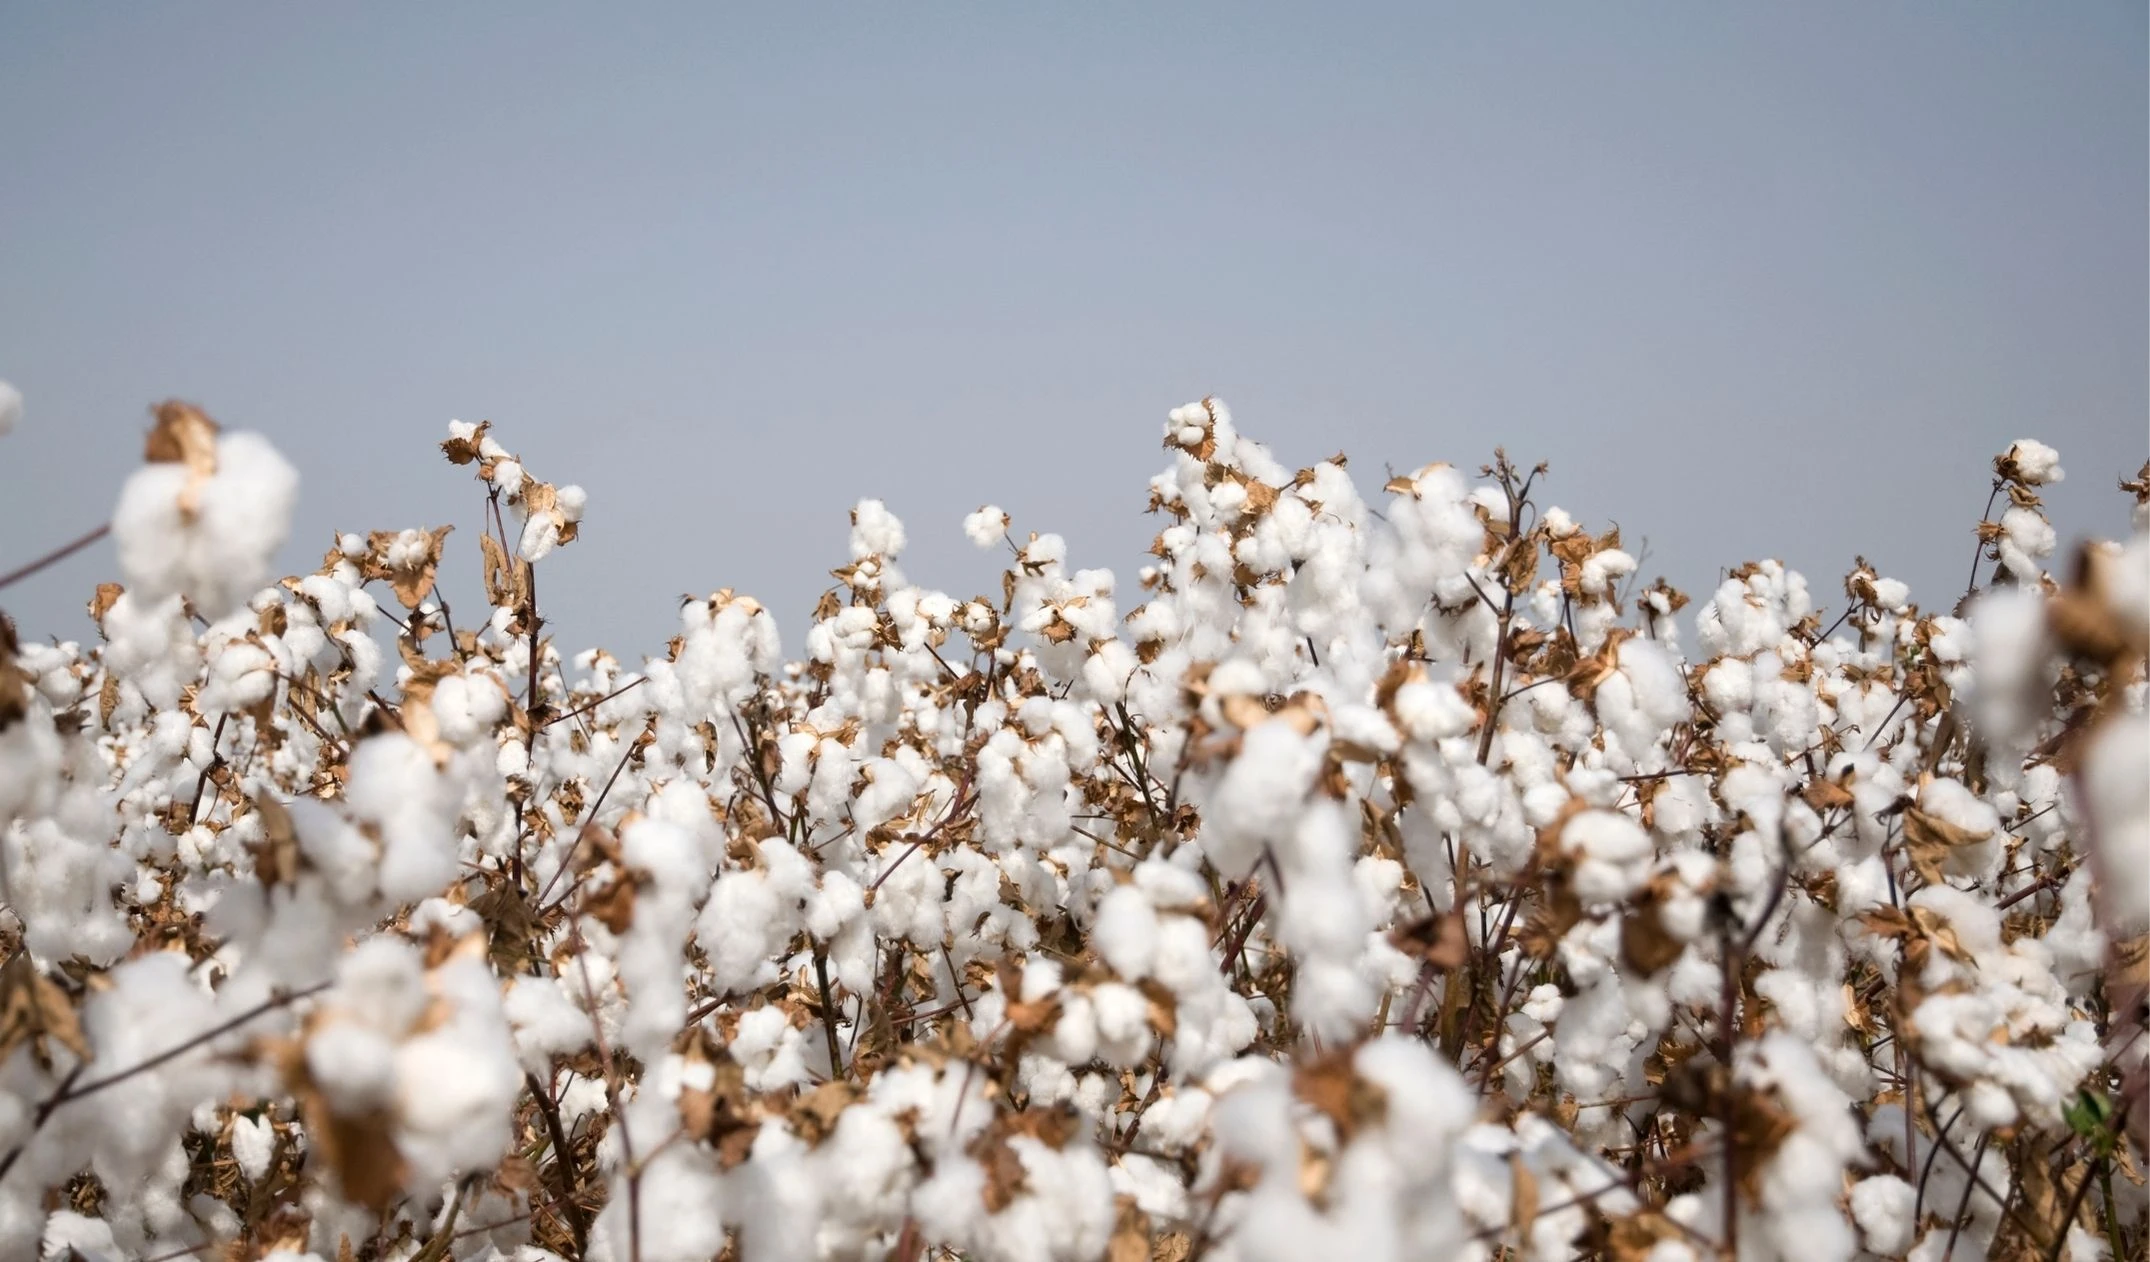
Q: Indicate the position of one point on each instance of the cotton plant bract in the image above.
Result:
(1384, 873)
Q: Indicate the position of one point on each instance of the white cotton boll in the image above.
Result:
(1544, 1004)
(2026, 540)
(541, 534)
(1614, 850)
(2035, 463)
(1602, 572)
(456, 1086)
(875, 531)
(355, 1066)
(1074, 1038)
(739, 926)
(29, 765)
(1433, 712)
(380, 984)
(1125, 933)
(253, 1144)
(987, 526)
(544, 1021)
(2127, 587)
(682, 1210)
(770, 1049)
(571, 500)
(1651, 699)
(69, 1236)
(10, 408)
(1882, 1207)
(242, 674)
(2118, 803)
(1259, 796)
(1122, 1017)
(395, 786)
(467, 708)
(218, 555)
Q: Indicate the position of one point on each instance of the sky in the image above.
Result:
(1755, 280)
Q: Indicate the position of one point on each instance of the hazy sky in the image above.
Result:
(1757, 280)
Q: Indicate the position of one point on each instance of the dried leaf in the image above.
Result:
(33, 1007)
(184, 434)
(1333, 1087)
(465, 450)
(1929, 839)
(1523, 1205)
(1436, 940)
(14, 681)
(276, 856)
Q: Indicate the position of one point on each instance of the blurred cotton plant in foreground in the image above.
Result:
(1385, 875)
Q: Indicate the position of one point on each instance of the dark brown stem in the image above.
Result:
(55, 556)
(563, 1160)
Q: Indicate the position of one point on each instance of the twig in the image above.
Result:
(563, 1161)
(55, 556)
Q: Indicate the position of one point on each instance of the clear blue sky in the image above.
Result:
(1755, 279)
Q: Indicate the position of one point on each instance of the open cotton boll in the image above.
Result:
(456, 1085)
(1614, 853)
(217, 552)
(10, 408)
(395, 786)
(987, 526)
(875, 531)
(1126, 932)
(2118, 800)
(2032, 462)
(242, 674)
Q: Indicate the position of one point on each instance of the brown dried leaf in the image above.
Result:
(14, 682)
(184, 434)
(276, 855)
(1928, 839)
(1004, 1174)
(465, 450)
(1334, 1089)
(1523, 1206)
(613, 905)
(1645, 944)
(33, 1007)
(1436, 940)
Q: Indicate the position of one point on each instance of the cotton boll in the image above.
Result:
(2032, 462)
(1645, 698)
(380, 985)
(395, 786)
(1882, 1207)
(241, 675)
(30, 758)
(218, 554)
(253, 1144)
(874, 531)
(1259, 794)
(2118, 802)
(2026, 540)
(1432, 712)
(1614, 853)
(987, 526)
(1126, 932)
(544, 1021)
(456, 1086)
(10, 408)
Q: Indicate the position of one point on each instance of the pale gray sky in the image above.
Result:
(1755, 279)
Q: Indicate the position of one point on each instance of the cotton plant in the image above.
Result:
(1379, 871)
